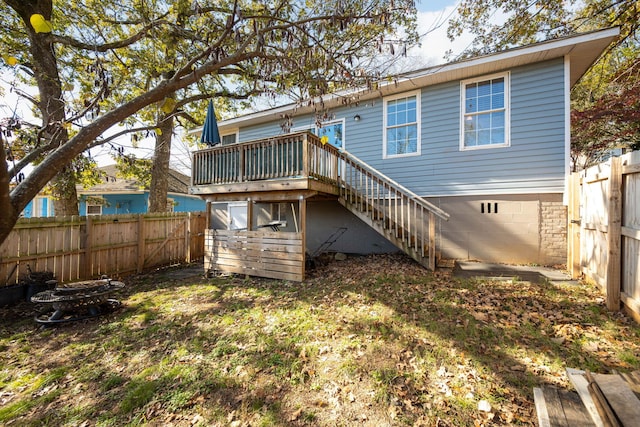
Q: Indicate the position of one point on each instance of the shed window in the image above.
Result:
(485, 117)
(402, 125)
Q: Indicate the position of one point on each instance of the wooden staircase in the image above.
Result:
(398, 214)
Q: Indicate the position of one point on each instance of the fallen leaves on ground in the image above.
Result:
(368, 341)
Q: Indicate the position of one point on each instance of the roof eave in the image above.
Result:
(582, 50)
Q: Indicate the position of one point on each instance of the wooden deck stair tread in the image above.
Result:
(599, 400)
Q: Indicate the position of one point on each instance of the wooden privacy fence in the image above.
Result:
(276, 255)
(604, 229)
(79, 248)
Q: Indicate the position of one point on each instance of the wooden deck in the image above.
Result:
(298, 167)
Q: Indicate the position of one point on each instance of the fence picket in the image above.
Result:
(82, 248)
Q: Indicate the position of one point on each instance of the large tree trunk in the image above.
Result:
(65, 196)
(160, 168)
(52, 105)
(9, 216)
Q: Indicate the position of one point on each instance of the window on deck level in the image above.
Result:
(228, 139)
(485, 112)
(402, 125)
(334, 131)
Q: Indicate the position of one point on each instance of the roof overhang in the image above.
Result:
(582, 50)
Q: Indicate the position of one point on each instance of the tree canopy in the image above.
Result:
(97, 64)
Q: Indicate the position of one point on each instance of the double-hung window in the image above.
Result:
(485, 112)
(402, 125)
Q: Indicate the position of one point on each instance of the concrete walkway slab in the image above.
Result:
(472, 269)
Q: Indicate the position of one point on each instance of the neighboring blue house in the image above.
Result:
(40, 206)
(121, 196)
(485, 139)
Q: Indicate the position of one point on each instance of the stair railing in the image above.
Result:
(407, 218)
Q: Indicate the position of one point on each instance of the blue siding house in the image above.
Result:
(40, 206)
(121, 196)
(482, 143)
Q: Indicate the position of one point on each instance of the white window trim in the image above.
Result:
(92, 205)
(418, 95)
(303, 128)
(230, 218)
(507, 110)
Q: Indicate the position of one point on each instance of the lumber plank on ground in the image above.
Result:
(581, 384)
(620, 397)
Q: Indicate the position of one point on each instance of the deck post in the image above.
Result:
(305, 155)
(302, 208)
(207, 223)
(249, 214)
(241, 165)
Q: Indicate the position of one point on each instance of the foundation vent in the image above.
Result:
(489, 207)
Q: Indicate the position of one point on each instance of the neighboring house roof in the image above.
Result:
(113, 183)
(581, 50)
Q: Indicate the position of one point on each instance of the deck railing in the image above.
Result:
(295, 155)
(405, 218)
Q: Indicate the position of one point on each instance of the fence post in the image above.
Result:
(141, 243)
(614, 231)
(573, 226)
(187, 237)
(88, 264)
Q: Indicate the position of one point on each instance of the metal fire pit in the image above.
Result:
(77, 301)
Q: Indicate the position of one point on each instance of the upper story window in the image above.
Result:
(334, 132)
(402, 125)
(485, 112)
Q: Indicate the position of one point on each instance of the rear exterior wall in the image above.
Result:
(525, 179)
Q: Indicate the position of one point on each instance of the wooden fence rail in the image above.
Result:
(604, 229)
(79, 248)
(277, 255)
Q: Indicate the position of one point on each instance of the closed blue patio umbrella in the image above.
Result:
(210, 133)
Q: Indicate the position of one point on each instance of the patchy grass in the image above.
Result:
(368, 341)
